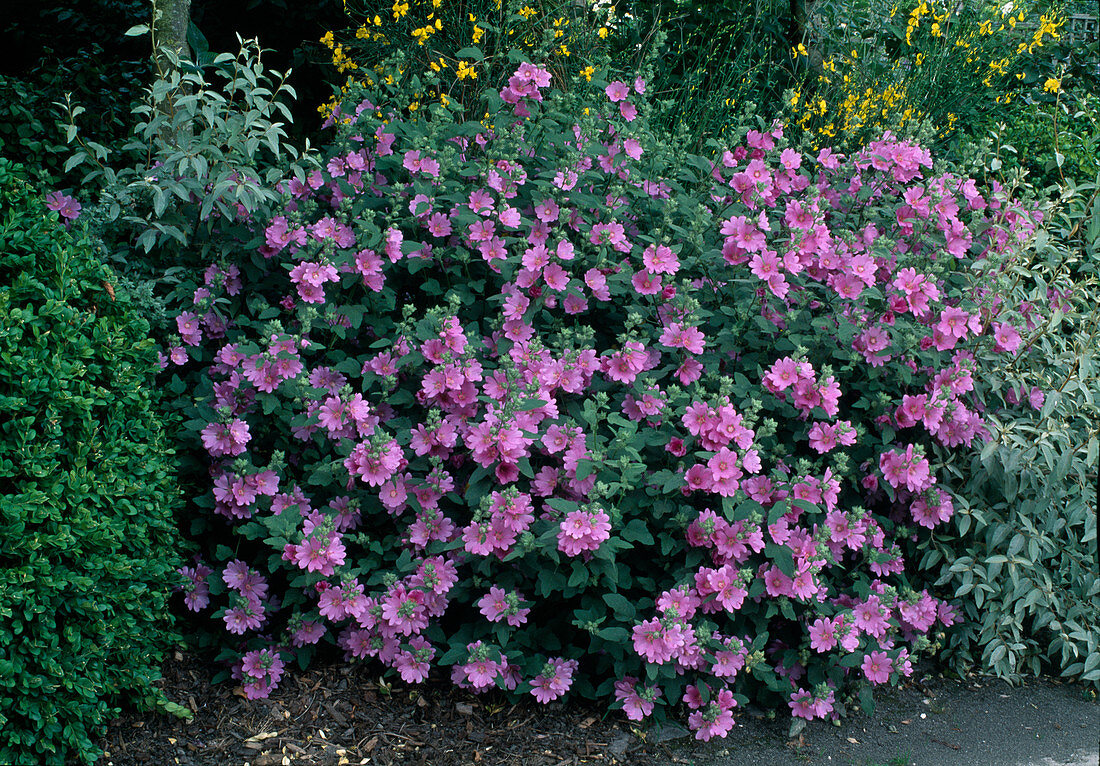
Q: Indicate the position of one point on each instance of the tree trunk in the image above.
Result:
(170, 21)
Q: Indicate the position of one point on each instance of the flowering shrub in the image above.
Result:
(543, 402)
(946, 64)
(442, 47)
(1020, 553)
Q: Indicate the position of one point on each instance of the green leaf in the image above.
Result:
(624, 609)
(782, 556)
(585, 468)
(852, 660)
(470, 52)
(561, 504)
(867, 700)
(614, 635)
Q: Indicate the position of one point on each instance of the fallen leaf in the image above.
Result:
(907, 722)
(262, 736)
(853, 740)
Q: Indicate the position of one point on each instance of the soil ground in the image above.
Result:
(342, 715)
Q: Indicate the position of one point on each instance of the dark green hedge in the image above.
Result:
(88, 545)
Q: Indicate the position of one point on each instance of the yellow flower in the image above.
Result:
(603, 33)
(562, 50)
(328, 40)
(465, 70)
(799, 50)
(920, 59)
(1052, 85)
(476, 37)
(362, 32)
(444, 100)
(377, 20)
(527, 12)
(399, 9)
(587, 72)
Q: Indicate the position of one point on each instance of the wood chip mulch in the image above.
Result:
(342, 714)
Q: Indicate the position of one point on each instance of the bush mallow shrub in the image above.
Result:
(88, 543)
(543, 402)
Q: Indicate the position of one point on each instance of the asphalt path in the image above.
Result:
(932, 722)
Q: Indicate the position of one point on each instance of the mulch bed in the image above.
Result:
(342, 714)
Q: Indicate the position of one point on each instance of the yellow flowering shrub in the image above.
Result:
(936, 62)
(449, 44)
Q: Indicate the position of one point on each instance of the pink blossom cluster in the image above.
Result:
(554, 680)
(510, 514)
(583, 530)
(196, 589)
(527, 83)
(713, 718)
(250, 592)
(65, 206)
(261, 670)
(807, 390)
(637, 703)
(389, 626)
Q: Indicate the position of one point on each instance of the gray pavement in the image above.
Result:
(936, 722)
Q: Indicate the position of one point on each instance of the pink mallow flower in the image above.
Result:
(554, 680)
(876, 667)
(583, 530)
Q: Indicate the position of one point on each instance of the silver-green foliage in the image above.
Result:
(1023, 562)
(207, 150)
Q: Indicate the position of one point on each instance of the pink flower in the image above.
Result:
(67, 207)
(871, 617)
(554, 681)
(677, 335)
(225, 439)
(636, 705)
(617, 91)
(493, 604)
(649, 642)
(876, 667)
(583, 530)
(1006, 337)
(822, 635)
